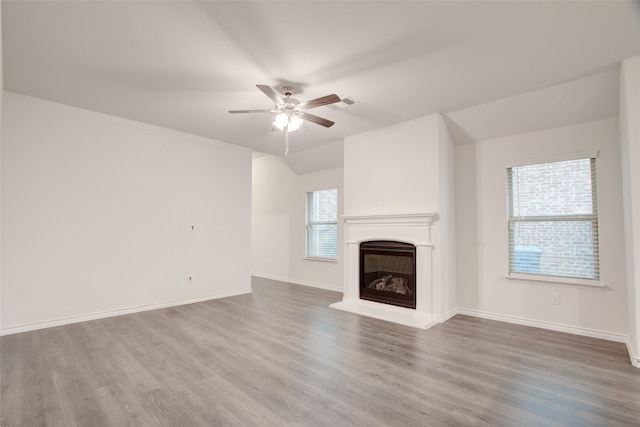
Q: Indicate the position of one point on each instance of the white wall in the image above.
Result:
(278, 224)
(630, 150)
(481, 207)
(273, 187)
(445, 256)
(1, 94)
(316, 159)
(97, 214)
(393, 169)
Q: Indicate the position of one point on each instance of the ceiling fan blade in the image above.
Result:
(250, 111)
(318, 102)
(272, 94)
(318, 120)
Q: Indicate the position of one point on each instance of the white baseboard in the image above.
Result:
(448, 315)
(635, 358)
(593, 333)
(112, 313)
(300, 282)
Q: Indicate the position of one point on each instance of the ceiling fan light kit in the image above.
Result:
(290, 122)
(291, 113)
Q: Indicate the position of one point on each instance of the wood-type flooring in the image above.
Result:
(281, 357)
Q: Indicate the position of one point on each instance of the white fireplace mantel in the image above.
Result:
(414, 228)
(407, 218)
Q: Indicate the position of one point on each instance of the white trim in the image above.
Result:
(635, 358)
(593, 333)
(420, 218)
(112, 313)
(317, 258)
(395, 239)
(595, 285)
(448, 315)
(324, 286)
(553, 159)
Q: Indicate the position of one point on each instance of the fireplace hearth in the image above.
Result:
(387, 273)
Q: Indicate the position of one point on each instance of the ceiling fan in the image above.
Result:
(291, 113)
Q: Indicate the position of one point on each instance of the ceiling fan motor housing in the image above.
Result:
(289, 103)
(287, 90)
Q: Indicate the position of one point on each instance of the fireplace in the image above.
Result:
(388, 273)
(403, 237)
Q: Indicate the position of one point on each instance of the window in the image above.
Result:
(553, 219)
(322, 224)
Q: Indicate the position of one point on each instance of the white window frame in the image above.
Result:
(310, 223)
(536, 277)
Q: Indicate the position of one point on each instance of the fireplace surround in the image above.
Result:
(412, 229)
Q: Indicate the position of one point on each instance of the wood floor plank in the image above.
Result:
(281, 357)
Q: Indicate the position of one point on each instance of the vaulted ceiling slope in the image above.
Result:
(183, 65)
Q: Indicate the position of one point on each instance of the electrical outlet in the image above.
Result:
(555, 298)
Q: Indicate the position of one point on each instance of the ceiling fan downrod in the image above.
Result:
(286, 140)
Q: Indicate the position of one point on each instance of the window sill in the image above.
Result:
(311, 258)
(556, 280)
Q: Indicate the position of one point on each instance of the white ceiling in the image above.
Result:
(183, 65)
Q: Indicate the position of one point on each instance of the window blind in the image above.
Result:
(322, 224)
(553, 219)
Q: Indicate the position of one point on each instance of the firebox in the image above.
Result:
(388, 273)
